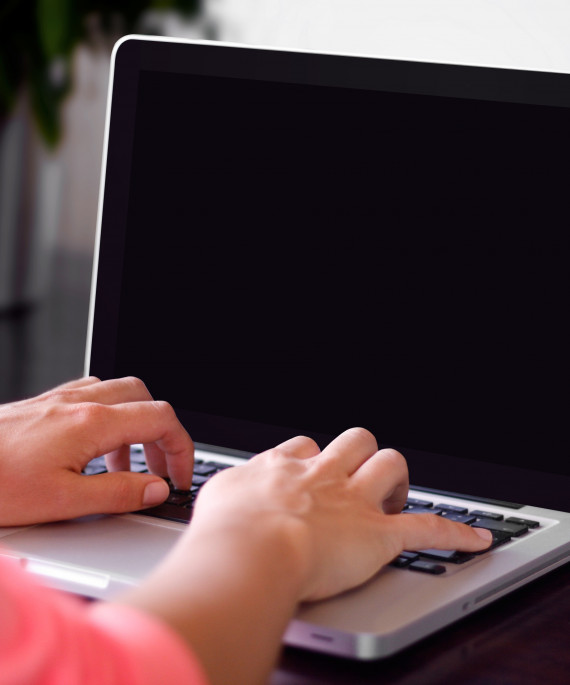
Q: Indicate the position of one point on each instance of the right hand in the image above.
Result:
(292, 524)
(338, 509)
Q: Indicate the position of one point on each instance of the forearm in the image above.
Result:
(231, 596)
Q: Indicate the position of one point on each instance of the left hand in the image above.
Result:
(47, 441)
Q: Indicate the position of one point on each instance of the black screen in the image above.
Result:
(302, 258)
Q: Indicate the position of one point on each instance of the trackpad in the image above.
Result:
(124, 546)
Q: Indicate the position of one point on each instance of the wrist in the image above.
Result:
(269, 544)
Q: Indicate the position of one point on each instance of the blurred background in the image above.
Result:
(54, 71)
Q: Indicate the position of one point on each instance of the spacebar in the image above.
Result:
(169, 512)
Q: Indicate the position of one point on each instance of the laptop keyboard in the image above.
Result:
(180, 503)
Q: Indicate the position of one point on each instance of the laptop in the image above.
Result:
(296, 243)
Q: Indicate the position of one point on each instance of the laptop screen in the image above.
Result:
(299, 243)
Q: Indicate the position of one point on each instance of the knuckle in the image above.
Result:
(86, 413)
(363, 434)
(58, 394)
(297, 446)
(164, 408)
(393, 454)
(278, 452)
(396, 458)
(308, 442)
(134, 382)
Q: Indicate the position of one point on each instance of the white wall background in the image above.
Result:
(529, 34)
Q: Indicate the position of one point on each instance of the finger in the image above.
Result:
(156, 460)
(72, 495)
(113, 493)
(427, 531)
(299, 447)
(351, 449)
(383, 479)
(79, 382)
(114, 391)
(111, 426)
(119, 459)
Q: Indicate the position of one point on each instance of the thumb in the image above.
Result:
(119, 492)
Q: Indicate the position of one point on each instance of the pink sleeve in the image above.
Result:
(47, 637)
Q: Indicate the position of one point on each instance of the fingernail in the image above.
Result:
(484, 533)
(155, 493)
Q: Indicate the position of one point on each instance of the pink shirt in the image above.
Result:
(48, 638)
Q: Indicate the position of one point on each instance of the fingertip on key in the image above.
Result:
(484, 534)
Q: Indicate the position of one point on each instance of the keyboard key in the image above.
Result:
(513, 529)
(400, 562)
(95, 466)
(422, 510)
(498, 540)
(427, 567)
(460, 518)
(487, 515)
(179, 497)
(412, 502)
(199, 480)
(205, 469)
(137, 456)
(452, 556)
(405, 559)
(219, 466)
(523, 522)
(452, 508)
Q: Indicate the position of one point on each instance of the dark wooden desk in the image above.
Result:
(522, 639)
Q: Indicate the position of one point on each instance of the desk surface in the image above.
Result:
(522, 639)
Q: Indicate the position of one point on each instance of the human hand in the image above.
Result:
(292, 524)
(48, 440)
(340, 509)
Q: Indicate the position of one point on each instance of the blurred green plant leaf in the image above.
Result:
(54, 26)
(37, 39)
(46, 104)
